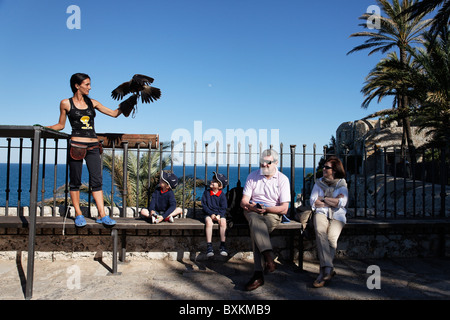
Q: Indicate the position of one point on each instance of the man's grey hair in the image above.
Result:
(268, 153)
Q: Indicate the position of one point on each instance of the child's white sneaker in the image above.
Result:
(209, 250)
(223, 251)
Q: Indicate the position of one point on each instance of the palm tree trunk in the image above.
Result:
(406, 122)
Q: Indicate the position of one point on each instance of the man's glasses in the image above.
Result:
(266, 162)
(327, 167)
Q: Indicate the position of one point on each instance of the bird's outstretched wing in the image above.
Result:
(121, 91)
(135, 85)
(150, 94)
(142, 79)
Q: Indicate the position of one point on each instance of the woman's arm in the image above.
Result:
(106, 110)
(340, 201)
(316, 198)
(63, 109)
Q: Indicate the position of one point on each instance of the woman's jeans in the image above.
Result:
(327, 234)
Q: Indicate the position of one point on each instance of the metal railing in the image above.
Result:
(381, 183)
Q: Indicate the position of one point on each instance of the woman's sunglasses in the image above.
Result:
(327, 167)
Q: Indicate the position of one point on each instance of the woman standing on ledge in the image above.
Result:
(84, 144)
(329, 197)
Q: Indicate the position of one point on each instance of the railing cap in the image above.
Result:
(7, 131)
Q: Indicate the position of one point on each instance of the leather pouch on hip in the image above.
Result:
(78, 151)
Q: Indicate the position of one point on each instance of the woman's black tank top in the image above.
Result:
(82, 121)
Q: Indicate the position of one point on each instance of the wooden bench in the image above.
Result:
(125, 224)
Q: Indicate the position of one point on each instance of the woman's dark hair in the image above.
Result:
(77, 78)
(337, 166)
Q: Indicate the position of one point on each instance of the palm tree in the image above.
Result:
(135, 168)
(426, 82)
(430, 79)
(388, 78)
(440, 20)
(396, 32)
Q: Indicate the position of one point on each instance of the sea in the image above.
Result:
(48, 183)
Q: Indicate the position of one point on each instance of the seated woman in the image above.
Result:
(329, 197)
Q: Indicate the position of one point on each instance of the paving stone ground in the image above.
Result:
(224, 280)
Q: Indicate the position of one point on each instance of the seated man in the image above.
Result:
(265, 199)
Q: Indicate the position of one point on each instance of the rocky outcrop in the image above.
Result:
(360, 135)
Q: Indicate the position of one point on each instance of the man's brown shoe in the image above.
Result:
(254, 283)
(270, 266)
(329, 276)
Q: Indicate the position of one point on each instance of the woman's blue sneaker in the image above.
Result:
(106, 220)
(80, 221)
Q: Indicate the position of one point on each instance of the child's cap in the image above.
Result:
(170, 179)
(223, 180)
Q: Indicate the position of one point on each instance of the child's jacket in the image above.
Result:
(163, 201)
(214, 203)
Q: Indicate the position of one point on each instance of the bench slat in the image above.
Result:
(122, 223)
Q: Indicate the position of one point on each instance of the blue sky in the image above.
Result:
(236, 64)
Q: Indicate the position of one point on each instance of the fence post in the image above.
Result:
(138, 155)
(149, 171)
(239, 161)
(55, 167)
(19, 190)
(8, 173)
(206, 166)
(292, 211)
(113, 158)
(160, 158)
(249, 158)
(171, 155)
(304, 174)
(281, 157)
(44, 152)
(33, 211)
(184, 179)
(228, 166)
(443, 182)
(125, 180)
(195, 175)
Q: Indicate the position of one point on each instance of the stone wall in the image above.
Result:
(191, 245)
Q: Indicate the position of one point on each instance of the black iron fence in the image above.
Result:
(381, 182)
